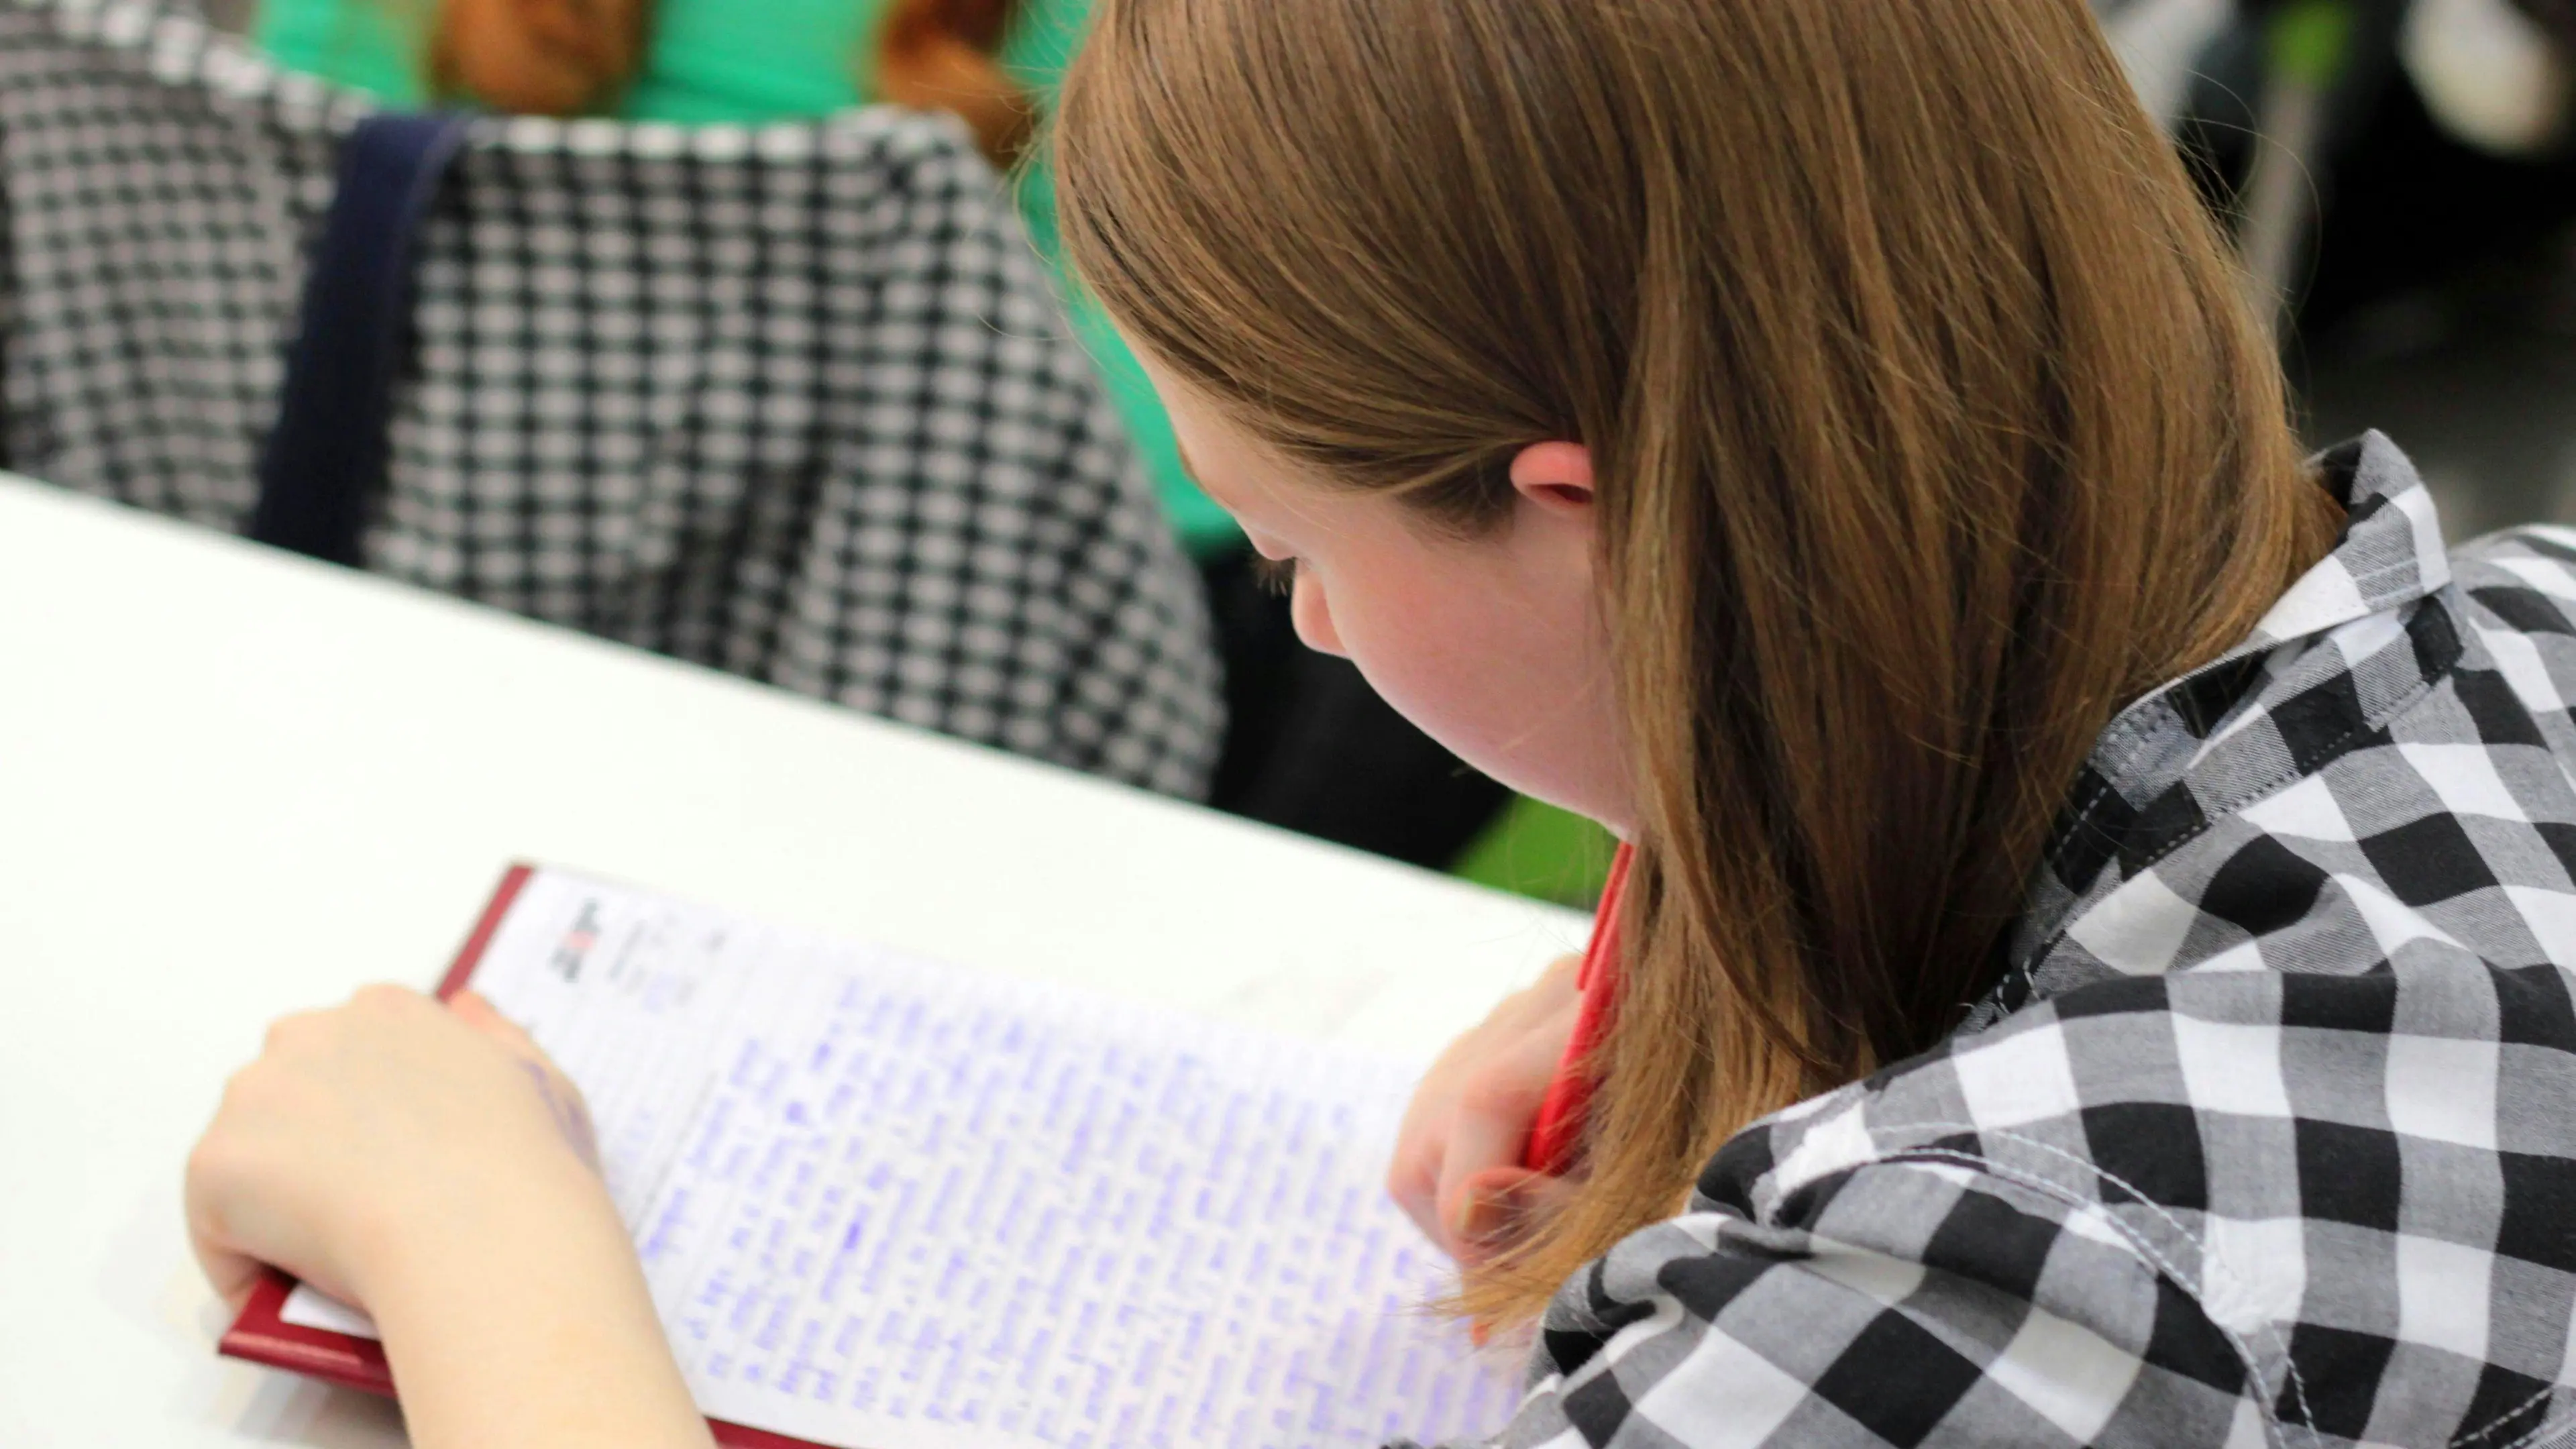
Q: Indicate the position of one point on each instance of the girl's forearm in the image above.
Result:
(531, 1328)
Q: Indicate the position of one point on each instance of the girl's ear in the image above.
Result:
(1556, 476)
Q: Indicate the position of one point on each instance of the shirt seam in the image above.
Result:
(2138, 1245)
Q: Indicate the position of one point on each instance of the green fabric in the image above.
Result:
(1540, 850)
(706, 65)
(752, 61)
(1041, 44)
(731, 60)
(2308, 40)
(366, 46)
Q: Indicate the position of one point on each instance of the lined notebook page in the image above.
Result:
(890, 1204)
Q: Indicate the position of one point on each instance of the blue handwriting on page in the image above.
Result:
(889, 1204)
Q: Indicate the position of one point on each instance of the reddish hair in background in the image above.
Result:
(937, 55)
(571, 57)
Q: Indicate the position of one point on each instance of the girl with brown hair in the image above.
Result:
(2088, 963)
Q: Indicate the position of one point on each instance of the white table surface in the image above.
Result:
(234, 784)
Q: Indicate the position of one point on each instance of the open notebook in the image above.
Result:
(885, 1203)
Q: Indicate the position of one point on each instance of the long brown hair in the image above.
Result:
(569, 57)
(1929, 423)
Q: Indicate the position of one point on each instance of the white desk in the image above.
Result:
(233, 784)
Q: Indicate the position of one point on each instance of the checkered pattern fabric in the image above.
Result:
(791, 401)
(2270, 1135)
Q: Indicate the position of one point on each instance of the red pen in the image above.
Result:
(1559, 1127)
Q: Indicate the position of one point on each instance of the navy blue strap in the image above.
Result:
(326, 459)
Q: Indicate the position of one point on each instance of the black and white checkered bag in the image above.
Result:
(791, 401)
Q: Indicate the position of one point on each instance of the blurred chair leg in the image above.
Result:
(2305, 44)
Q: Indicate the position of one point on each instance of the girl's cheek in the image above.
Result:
(1312, 617)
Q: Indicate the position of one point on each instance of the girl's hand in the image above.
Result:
(371, 1133)
(1457, 1168)
(428, 1164)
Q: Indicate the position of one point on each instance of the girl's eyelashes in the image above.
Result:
(1277, 575)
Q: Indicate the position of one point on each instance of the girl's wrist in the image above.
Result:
(527, 1320)
(417, 1251)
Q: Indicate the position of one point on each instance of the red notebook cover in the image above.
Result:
(262, 1336)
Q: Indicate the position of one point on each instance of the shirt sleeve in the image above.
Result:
(1928, 1303)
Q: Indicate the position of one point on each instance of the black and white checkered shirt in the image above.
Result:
(792, 401)
(2269, 1138)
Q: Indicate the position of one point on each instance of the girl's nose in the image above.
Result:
(1313, 617)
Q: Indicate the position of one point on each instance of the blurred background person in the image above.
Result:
(1309, 746)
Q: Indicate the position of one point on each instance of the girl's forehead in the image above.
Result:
(1222, 457)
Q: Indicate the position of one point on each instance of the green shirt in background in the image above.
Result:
(752, 61)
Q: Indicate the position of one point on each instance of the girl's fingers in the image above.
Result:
(477, 1011)
(1427, 1140)
(1413, 1180)
(563, 1100)
(386, 1108)
(1489, 1127)
(1500, 1203)
(230, 1274)
(1555, 987)
(1540, 1002)
(1473, 1111)
(564, 1103)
